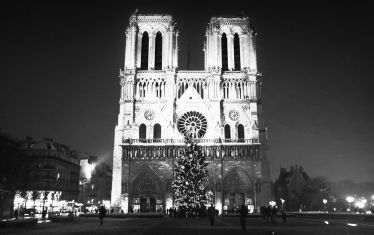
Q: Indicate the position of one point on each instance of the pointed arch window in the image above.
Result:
(157, 131)
(227, 132)
(241, 133)
(143, 132)
(224, 52)
(236, 52)
(158, 51)
(144, 52)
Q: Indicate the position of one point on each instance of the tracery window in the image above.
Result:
(193, 124)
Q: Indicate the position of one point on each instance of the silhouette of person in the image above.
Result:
(102, 212)
(243, 215)
(211, 214)
(284, 214)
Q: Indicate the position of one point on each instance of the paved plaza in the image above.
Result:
(155, 226)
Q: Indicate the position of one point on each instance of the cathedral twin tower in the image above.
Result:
(161, 105)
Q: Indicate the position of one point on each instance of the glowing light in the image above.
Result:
(324, 201)
(353, 225)
(88, 170)
(326, 222)
(350, 199)
(43, 221)
(361, 203)
(169, 202)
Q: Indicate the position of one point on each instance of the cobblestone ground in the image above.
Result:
(164, 226)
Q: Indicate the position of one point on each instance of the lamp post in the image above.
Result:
(349, 199)
(324, 202)
(282, 201)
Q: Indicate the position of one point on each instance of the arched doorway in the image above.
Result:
(237, 189)
(146, 193)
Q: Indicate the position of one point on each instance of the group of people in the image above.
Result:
(243, 215)
(270, 213)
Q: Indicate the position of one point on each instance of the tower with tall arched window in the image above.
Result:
(161, 105)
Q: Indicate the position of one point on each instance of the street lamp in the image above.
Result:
(349, 199)
(324, 202)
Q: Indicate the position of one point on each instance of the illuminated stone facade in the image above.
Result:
(159, 105)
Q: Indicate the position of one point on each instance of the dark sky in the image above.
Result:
(60, 62)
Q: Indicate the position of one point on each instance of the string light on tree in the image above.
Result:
(190, 178)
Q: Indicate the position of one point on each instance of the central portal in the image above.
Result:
(146, 193)
(147, 204)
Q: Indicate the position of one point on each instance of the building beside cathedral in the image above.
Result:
(160, 104)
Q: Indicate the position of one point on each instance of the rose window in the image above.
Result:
(149, 114)
(192, 124)
(234, 115)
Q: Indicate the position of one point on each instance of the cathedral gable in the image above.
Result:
(190, 94)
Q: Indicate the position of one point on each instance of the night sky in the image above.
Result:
(60, 63)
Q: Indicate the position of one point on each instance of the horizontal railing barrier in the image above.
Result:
(181, 141)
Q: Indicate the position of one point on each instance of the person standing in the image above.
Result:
(284, 214)
(211, 214)
(243, 215)
(274, 214)
(102, 212)
(16, 213)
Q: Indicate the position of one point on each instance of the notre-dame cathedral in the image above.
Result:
(160, 104)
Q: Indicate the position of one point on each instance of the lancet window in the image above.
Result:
(143, 131)
(158, 51)
(157, 131)
(151, 89)
(144, 51)
(227, 131)
(236, 52)
(241, 133)
(224, 52)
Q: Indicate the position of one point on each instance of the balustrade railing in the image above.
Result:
(182, 141)
(154, 152)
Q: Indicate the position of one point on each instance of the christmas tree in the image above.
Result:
(190, 178)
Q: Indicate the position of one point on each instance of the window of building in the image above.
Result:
(157, 131)
(158, 51)
(236, 52)
(227, 131)
(142, 131)
(241, 133)
(144, 51)
(224, 52)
